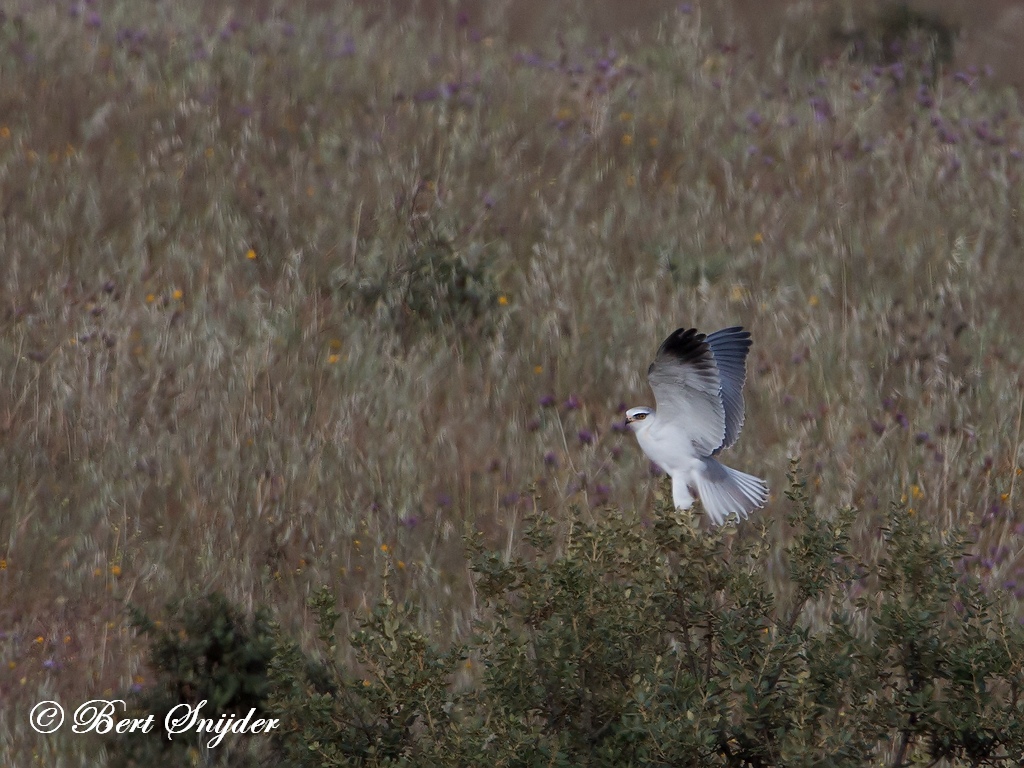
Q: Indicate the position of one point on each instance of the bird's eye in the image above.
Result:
(641, 416)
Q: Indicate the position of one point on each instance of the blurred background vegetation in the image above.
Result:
(289, 291)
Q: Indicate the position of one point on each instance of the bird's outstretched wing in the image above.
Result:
(730, 347)
(688, 389)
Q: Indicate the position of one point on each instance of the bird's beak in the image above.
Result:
(630, 419)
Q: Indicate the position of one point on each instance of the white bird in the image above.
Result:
(698, 385)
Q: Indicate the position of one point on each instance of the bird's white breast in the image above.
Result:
(668, 447)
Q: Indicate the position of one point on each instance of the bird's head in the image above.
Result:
(638, 418)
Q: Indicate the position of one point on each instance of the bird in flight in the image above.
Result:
(697, 382)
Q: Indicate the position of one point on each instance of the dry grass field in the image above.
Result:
(289, 292)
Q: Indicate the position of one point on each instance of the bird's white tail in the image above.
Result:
(725, 492)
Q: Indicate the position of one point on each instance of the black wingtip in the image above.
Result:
(688, 345)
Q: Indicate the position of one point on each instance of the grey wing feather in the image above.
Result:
(730, 347)
(687, 386)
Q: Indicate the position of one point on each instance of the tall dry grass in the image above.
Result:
(290, 292)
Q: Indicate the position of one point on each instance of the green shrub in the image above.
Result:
(618, 643)
(896, 32)
(207, 651)
(433, 282)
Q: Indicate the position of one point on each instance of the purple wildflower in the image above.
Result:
(822, 109)
(947, 135)
(347, 47)
(427, 94)
(586, 436)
